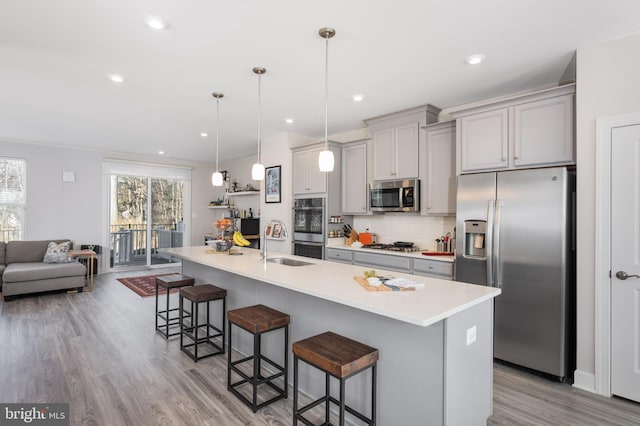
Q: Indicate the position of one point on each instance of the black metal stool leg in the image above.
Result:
(181, 321)
(156, 305)
(373, 394)
(286, 361)
(327, 395)
(342, 402)
(224, 309)
(195, 329)
(295, 390)
(256, 370)
(229, 357)
(167, 314)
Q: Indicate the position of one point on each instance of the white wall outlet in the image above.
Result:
(471, 335)
(368, 228)
(68, 177)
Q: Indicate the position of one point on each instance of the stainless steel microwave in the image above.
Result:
(395, 196)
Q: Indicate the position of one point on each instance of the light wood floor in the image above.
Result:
(98, 352)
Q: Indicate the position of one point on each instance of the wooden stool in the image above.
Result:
(205, 293)
(168, 282)
(257, 320)
(341, 358)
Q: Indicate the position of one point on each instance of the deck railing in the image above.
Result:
(129, 242)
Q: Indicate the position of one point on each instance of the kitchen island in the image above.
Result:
(435, 343)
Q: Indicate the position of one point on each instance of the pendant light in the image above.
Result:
(325, 159)
(257, 171)
(216, 177)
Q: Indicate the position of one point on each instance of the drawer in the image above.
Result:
(433, 268)
(385, 261)
(338, 255)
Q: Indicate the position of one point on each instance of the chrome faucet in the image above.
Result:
(283, 235)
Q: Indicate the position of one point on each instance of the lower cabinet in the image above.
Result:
(433, 268)
(338, 255)
(396, 263)
(423, 267)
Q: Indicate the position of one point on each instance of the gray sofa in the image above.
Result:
(23, 270)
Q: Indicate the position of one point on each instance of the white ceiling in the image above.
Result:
(55, 57)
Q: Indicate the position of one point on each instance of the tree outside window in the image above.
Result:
(13, 196)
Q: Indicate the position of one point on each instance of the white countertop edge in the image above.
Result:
(423, 322)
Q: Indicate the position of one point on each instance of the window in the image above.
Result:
(13, 196)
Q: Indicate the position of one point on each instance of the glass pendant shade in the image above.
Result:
(216, 179)
(257, 172)
(325, 161)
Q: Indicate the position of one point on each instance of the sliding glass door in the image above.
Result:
(145, 214)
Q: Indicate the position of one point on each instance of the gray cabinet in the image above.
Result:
(355, 192)
(396, 142)
(534, 130)
(438, 170)
(306, 175)
(339, 255)
(395, 152)
(385, 261)
(433, 268)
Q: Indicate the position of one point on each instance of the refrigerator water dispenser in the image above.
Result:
(474, 239)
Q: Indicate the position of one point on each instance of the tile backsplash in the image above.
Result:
(421, 230)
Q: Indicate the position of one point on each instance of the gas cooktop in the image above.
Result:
(399, 246)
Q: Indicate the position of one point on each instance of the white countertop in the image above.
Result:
(334, 281)
(415, 254)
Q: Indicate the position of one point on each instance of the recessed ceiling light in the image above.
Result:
(116, 78)
(288, 120)
(161, 152)
(357, 98)
(156, 23)
(204, 135)
(474, 59)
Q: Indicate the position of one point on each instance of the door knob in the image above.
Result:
(622, 275)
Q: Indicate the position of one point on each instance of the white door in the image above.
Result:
(625, 262)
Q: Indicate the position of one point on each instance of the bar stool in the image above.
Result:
(169, 282)
(341, 358)
(205, 293)
(257, 320)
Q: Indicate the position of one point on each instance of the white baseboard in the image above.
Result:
(585, 381)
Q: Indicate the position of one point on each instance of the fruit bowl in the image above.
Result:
(220, 245)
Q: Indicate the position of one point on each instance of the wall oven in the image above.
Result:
(309, 227)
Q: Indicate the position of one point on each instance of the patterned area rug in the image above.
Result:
(145, 285)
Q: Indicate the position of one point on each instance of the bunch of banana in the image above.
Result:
(240, 240)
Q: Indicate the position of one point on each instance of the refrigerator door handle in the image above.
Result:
(489, 241)
(496, 245)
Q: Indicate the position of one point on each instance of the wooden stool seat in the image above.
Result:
(336, 356)
(174, 281)
(203, 293)
(190, 328)
(168, 321)
(257, 320)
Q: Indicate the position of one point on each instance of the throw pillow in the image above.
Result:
(57, 253)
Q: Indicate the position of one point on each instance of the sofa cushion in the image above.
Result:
(27, 251)
(30, 271)
(3, 251)
(57, 253)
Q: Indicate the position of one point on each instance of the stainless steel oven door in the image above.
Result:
(308, 249)
(308, 220)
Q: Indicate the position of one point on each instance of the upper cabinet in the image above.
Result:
(533, 130)
(438, 170)
(396, 142)
(307, 177)
(355, 186)
(395, 152)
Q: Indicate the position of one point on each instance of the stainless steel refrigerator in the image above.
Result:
(515, 231)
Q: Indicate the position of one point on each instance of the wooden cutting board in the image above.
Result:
(365, 284)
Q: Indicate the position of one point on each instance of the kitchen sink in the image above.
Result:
(288, 262)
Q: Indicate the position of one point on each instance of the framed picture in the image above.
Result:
(272, 185)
